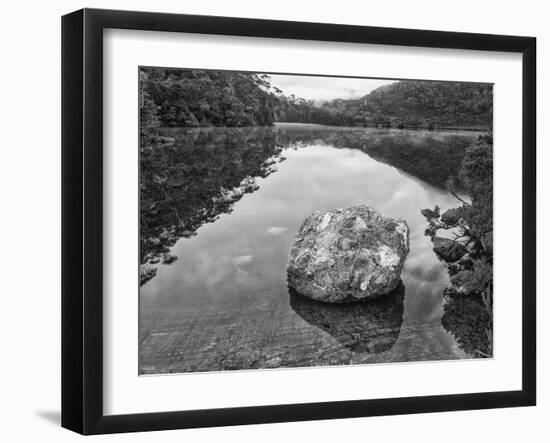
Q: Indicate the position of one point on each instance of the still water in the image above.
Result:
(225, 204)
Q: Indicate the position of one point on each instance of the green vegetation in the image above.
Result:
(195, 98)
(298, 110)
(477, 173)
(192, 98)
(471, 275)
(429, 104)
(404, 104)
(149, 122)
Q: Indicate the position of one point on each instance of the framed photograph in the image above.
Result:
(269, 221)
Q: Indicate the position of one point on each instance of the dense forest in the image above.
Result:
(192, 98)
(195, 98)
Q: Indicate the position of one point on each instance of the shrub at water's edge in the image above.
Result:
(469, 255)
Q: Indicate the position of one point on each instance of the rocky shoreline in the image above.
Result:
(468, 299)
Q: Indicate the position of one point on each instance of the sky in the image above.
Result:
(325, 88)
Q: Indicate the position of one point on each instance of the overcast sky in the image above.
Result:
(325, 88)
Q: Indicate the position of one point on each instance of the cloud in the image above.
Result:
(242, 260)
(276, 230)
(325, 88)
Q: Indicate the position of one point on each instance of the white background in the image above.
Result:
(30, 184)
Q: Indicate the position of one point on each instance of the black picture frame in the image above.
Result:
(82, 221)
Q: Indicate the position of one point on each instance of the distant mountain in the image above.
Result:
(427, 103)
(403, 104)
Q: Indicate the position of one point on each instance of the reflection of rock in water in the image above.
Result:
(371, 327)
(467, 319)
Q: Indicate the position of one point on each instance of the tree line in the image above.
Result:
(197, 98)
(193, 98)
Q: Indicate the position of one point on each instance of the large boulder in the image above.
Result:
(347, 255)
(448, 250)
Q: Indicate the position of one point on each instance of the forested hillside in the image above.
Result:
(429, 104)
(193, 98)
(209, 98)
(404, 104)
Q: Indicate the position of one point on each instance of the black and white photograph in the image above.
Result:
(294, 221)
(273, 222)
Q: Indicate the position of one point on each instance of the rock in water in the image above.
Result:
(346, 255)
(448, 250)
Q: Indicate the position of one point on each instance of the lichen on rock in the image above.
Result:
(349, 254)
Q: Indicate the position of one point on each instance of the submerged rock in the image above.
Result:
(349, 254)
(371, 327)
(448, 250)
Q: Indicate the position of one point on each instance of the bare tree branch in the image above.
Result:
(458, 198)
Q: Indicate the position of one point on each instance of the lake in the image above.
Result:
(219, 212)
